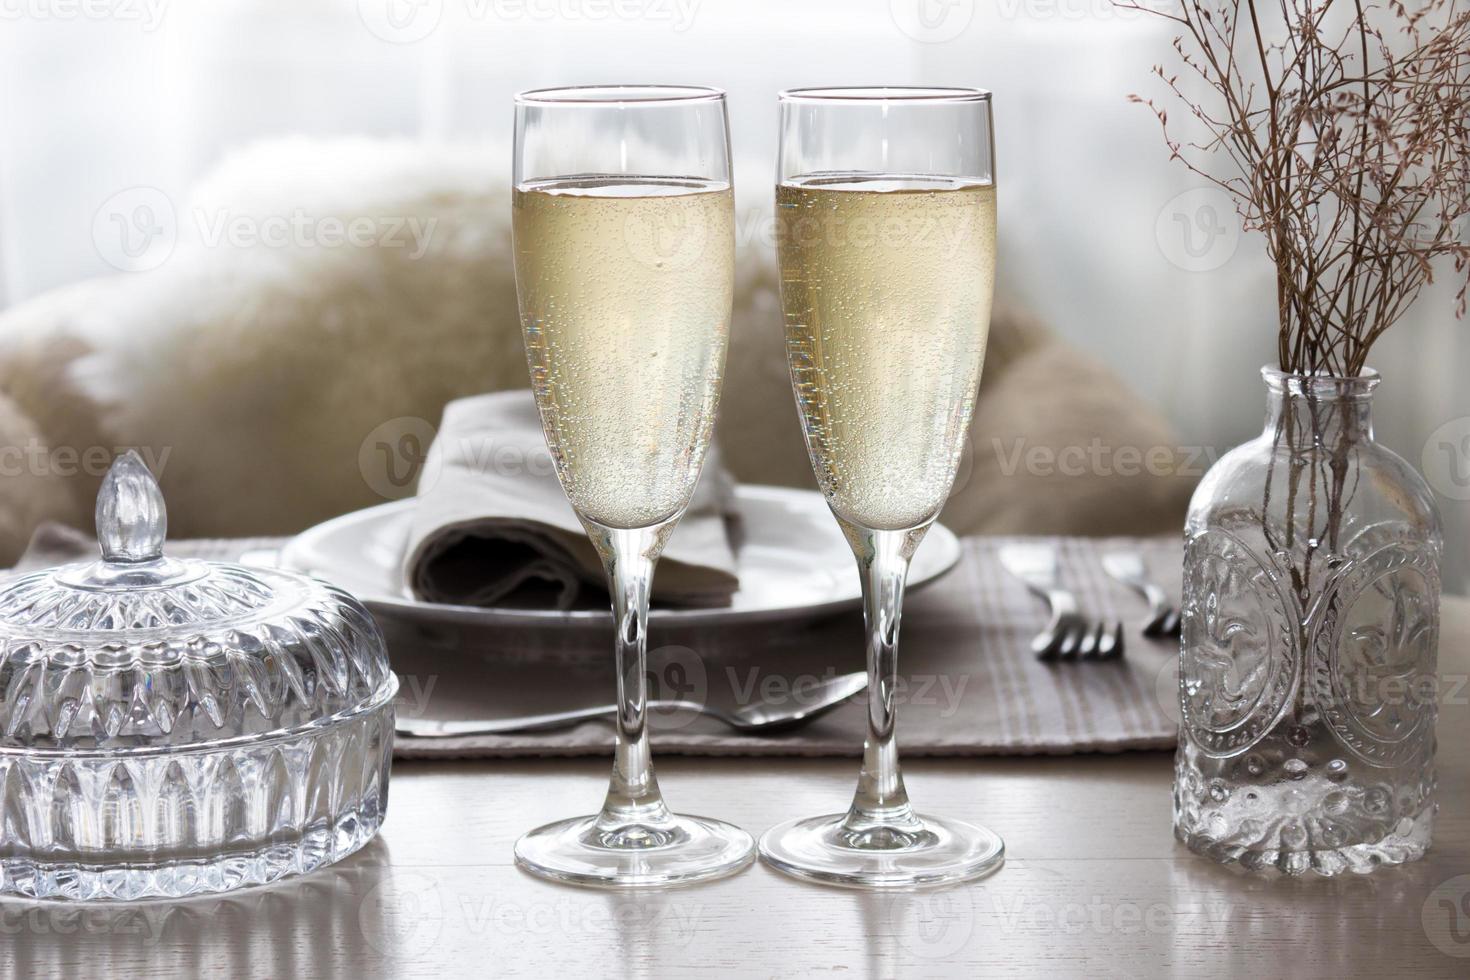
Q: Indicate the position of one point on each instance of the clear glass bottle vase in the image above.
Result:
(1311, 628)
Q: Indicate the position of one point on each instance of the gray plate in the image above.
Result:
(794, 565)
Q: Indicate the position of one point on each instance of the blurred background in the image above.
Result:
(113, 112)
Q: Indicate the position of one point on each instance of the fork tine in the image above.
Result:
(1111, 646)
(1069, 646)
(1088, 647)
(1053, 650)
(1171, 624)
(1059, 648)
(1155, 624)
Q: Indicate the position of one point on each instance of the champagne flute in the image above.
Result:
(623, 219)
(885, 205)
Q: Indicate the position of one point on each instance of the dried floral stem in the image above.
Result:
(1347, 126)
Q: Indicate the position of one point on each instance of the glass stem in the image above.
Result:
(634, 805)
(881, 802)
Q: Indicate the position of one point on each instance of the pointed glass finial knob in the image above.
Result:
(131, 521)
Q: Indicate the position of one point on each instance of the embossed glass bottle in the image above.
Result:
(1311, 625)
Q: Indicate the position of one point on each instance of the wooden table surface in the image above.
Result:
(1094, 887)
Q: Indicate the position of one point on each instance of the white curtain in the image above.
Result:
(1121, 251)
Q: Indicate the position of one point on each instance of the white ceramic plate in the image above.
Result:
(794, 564)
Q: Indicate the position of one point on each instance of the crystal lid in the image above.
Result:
(138, 650)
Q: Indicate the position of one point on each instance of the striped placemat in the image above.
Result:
(971, 685)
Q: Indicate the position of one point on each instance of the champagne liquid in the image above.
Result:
(886, 284)
(625, 291)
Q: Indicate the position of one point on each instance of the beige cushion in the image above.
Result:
(259, 376)
(1061, 446)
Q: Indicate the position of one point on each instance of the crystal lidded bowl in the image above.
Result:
(176, 727)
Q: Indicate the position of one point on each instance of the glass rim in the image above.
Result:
(885, 94)
(609, 95)
(1321, 385)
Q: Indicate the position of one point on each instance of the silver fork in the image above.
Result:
(1069, 634)
(758, 718)
(1127, 567)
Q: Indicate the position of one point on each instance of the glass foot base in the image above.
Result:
(939, 852)
(682, 850)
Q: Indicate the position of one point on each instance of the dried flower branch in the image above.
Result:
(1348, 127)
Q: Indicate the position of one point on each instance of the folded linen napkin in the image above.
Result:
(492, 527)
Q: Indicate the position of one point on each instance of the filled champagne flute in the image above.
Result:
(623, 219)
(885, 209)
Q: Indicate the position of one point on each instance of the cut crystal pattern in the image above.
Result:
(169, 728)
